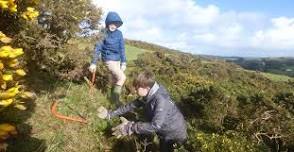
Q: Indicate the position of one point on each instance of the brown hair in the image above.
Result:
(144, 79)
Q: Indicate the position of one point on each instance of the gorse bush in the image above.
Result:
(51, 42)
(12, 93)
(43, 33)
(218, 98)
(11, 73)
(219, 143)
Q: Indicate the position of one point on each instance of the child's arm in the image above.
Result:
(97, 51)
(122, 50)
(157, 121)
(126, 108)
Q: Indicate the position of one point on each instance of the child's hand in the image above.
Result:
(103, 113)
(92, 68)
(123, 66)
(123, 129)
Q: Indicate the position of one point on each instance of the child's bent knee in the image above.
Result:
(121, 79)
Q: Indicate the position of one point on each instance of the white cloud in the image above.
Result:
(278, 37)
(185, 25)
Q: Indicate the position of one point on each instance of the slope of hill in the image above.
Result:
(284, 66)
(221, 97)
(226, 107)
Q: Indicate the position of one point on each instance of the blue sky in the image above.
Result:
(255, 28)
(273, 8)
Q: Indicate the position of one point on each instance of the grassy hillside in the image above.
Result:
(277, 77)
(53, 135)
(226, 107)
(222, 98)
(284, 66)
(42, 131)
(132, 52)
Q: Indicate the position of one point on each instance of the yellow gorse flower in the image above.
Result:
(2, 35)
(13, 9)
(7, 127)
(20, 72)
(10, 93)
(30, 13)
(4, 38)
(28, 95)
(8, 5)
(5, 50)
(4, 4)
(6, 103)
(7, 130)
(1, 66)
(12, 63)
(7, 77)
(12, 6)
(16, 53)
(9, 52)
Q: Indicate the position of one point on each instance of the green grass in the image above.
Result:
(277, 77)
(58, 135)
(133, 52)
(53, 135)
(273, 77)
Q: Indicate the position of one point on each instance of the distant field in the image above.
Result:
(133, 52)
(283, 66)
(273, 77)
(277, 77)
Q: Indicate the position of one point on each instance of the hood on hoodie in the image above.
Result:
(113, 18)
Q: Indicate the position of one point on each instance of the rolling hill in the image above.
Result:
(282, 65)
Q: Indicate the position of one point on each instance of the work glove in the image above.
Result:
(92, 68)
(103, 113)
(123, 129)
(123, 66)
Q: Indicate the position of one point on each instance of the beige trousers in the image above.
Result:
(118, 75)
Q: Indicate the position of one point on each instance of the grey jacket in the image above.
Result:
(164, 118)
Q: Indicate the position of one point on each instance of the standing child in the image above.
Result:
(112, 51)
(163, 116)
